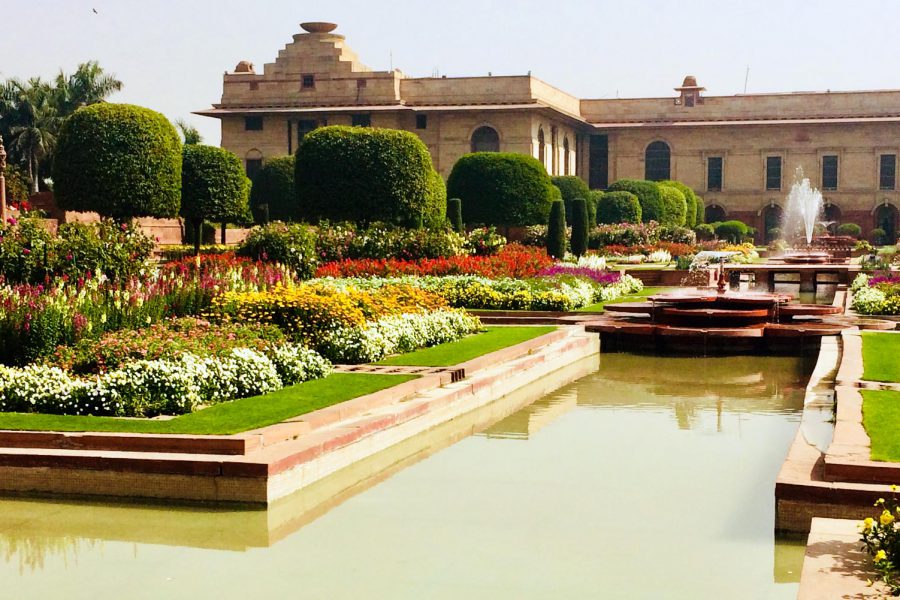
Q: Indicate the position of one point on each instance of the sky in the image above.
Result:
(171, 54)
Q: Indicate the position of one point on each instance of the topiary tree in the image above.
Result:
(675, 207)
(732, 231)
(272, 196)
(570, 187)
(701, 211)
(556, 230)
(454, 215)
(850, 229)
(120, 160)
(690, 199)
(705, 232)
(502, 188)
(619, 207)
(363, 175)
(593, 199)
(580, 227)
(648, 195)
(213, 188)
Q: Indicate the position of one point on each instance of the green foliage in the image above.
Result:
(502, 188)
(701, 211)
(213, 186)
(291, 244)
(117, 250)
(705, 232)
(593, 198)
(339, 241)
(731, 231)
(579, 227)
(851, 229)
(361, 174)
(619, 207)
(454, 215)
(190, 133)
(624, 234)
(690, 199)
(571, 187)
(878, 236)
(674, 205)
(16, 184)
(25, 250)
(120, 160)
(272, 196)
(556, 230)
(648, 194)
(677, 235)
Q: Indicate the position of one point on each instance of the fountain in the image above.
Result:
(804, 203)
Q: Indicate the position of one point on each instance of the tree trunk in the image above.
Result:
(36, 176)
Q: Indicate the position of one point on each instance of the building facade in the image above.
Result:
(740, 153)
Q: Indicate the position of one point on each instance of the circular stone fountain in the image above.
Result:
(804, 203)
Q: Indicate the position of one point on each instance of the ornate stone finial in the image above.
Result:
(318, 27)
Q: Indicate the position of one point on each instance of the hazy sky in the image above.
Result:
(171, 55)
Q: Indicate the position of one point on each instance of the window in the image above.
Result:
(773, 172)
(308, 82)
(421, 121)
(362, 120)
(714, 174)
(554, 147)
(689, 100)
(304, 126)
(485, 139)
(253, 166)
(598, 162)
(829, 172)
(887, 172)
(657, 162)
(253, 123)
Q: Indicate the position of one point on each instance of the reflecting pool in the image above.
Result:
(651, 478)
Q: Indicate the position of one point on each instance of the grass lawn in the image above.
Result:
(880, 356)
(881, 418)
(491, 339)
(228, 417)
(640, 296)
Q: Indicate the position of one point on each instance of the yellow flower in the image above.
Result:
(893, 488)
(886, 518)
(868, 523)
(880, 556)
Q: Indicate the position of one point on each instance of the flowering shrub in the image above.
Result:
(623, 234)
(513, 261)
(881, 539)
(291, 244)
(747, 252)
(485, 241)
(297, 363)
(677, 235)
(876, 295)
(659, 256)
(535, 235)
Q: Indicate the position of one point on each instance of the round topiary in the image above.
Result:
(502, 188)
(732, 231)
(878, 236)
(690, 199)
(570, 187)
(701, 211)
(850, 229)
(674, 206)
(363, 175)
(556, 230)
(272, 196)
(580, 227)
(454, 215)
(593, 199)
(648, 195)
(213, 188)
(120, 160)
(705, 232)
(618, 207)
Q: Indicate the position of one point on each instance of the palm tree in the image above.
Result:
(87, 85)
(189, 132)
(33, 123)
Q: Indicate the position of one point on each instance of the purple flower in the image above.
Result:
(601, 277)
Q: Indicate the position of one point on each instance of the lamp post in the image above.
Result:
(2, 183)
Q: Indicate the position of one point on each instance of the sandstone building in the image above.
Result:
(738, 152)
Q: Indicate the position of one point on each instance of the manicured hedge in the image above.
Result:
(571, 187)
(690, 199)
(556, 230)
(119, 160)
(648, 195)
(701, 211)
(594, 197)
(732, 231)
(454, 215)
(273, 186)
(580, 227)
(502, 188)
(213, 188)
(851, 229)
(364, 175)
(619, 207)
(674, 205)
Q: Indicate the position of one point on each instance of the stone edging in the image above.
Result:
(834, 566)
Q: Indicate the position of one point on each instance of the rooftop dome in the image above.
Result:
(689, 81)
(245, 66)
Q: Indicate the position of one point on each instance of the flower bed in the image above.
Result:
(877, 295)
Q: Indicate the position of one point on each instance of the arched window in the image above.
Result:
(566, 155)
(714, 213)
(831, 215)
(886, 218)
(657, 162)
(542, 147)
(485, 139)
(771, 221)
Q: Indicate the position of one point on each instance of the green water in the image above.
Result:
(652, 478)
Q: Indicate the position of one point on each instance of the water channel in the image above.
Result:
(651, 478)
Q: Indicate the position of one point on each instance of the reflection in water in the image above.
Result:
(651, 478)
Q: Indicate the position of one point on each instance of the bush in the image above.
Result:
(701, 211)
(485, 241)
(648, 194)
(594, 197)
(339, 241)
(502, 188)
(16, 184)
(25, 248)
(570, 187)
(731, 231)
(850, 229)
(623, 234)
(454, 215)
(556, 230)
(120, 160)
(775, 233)
(272, 195)
(674, 206)
(117, 250)
(878, 236)
(690, 199)
(579, 227)
(293, 245)
(363, 175)
(619, 207)
(213, 188)
(677, 235)
(705, 232)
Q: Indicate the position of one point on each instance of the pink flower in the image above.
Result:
(26, 251)
(11, 220)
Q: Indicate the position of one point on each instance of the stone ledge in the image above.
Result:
(834, 566)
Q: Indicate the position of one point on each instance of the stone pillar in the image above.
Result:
(808, 280)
